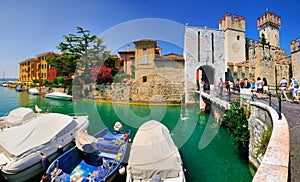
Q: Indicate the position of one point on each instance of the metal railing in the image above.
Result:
(233, 95)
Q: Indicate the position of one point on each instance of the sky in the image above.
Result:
(31, 27)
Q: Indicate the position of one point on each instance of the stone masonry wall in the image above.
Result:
(198, 52)
(150, 91)
(259, 121)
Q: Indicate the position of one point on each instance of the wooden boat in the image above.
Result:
(26, 150)
(59, 96)
(154, 156)
(95, 158)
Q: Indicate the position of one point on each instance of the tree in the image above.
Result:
(264, 41)
(80, 51)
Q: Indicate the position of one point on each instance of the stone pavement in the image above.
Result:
(291, 112)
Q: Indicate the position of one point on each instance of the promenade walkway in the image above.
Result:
(292, 113)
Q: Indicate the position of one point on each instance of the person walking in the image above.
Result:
(294, 88)
(265, 88)
(259, 87)
(283, 87)
(221, 84)
(237, 86)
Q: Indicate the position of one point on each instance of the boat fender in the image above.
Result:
(156, 178)
(122, 170)
(45, 161)
(60, 149)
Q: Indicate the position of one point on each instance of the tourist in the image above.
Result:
(227, 85)
(259, 88)
(246, 83)
(197, 80)
(221, 84)
(237, 85)
(283, 87)
(242, 83)
(253, 84)
(294, 88)
(265, 87)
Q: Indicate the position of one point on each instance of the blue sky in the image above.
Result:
(31, 27)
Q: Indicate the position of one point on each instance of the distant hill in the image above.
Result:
(8, 79)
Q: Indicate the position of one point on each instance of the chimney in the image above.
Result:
(128, 47)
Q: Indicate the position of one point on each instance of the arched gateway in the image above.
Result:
(203, 53)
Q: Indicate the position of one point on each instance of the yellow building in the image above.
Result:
(36, 68)
(28, 71)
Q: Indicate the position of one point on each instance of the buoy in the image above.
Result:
(122, 170)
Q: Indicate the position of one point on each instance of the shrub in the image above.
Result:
(236, 122)
(262, 145)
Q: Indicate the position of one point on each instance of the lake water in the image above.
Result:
(207, 150)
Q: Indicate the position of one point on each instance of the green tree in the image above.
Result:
(264, 41)
(55, 81)
(81, 50)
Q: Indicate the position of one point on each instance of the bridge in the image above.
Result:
(291, 112)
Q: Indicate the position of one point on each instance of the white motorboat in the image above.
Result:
(33, 91)
(154, 156)
(59, 96)
(17, 117)
(26, 150)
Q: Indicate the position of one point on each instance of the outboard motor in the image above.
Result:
(118, 127)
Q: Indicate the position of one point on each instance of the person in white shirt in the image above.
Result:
(283, 87)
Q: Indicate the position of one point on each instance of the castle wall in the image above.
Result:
(198, 52)
(295, 58)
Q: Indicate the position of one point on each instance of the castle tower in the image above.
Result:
(269, 24)
(234, 38)
(295, 57)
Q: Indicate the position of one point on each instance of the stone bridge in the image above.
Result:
(274, 165)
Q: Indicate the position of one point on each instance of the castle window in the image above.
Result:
(144, 79)
(238, 37)
(144, 49)
(144, 59)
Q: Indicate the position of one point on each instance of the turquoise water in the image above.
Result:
(207, 151)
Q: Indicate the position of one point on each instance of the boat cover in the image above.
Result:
(18, 140)
(154, 152)
(108, 143)
(17, 116)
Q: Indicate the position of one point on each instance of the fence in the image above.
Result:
(272, 99)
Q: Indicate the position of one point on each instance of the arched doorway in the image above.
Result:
(207, 76)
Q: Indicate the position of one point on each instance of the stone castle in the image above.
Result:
(242, 57)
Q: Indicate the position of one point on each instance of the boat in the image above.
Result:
(27, 149)
(33, 91)
(94, 158)
(17, 117)
(59, 96)
(19, 88)
(154, 156)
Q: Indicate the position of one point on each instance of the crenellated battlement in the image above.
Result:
(294, 45)
(268, 18)
(230, 21)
